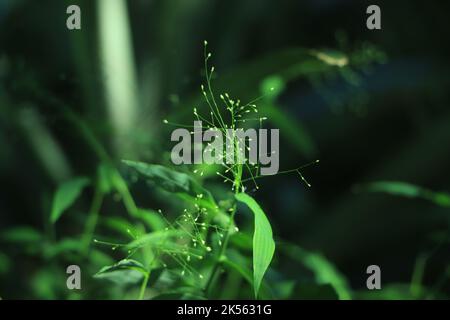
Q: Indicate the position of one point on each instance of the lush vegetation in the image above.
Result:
(85, 129)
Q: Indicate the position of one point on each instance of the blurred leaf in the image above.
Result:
(154, 239)
(182, 293)
(105, 178)
(272, 86)
(23, 234)
(152, 219)
(46, 283)
(234, 260)
(120, 225)
(313, 291)
(176, 182)
(67, 245)
(388, 292)
(66, 195)
(5, 263)
(291, 129)
(331, 57)
(263, 244)
(99, 258)
(408, 190)
(166, 178)
(324, 271)
(242, 240)
(126, 271)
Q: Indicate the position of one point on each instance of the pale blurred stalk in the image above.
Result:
(118, 72)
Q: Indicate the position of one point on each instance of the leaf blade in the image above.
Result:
(65, 196)
(263, 243)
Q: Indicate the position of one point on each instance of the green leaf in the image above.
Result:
(408, 190)
(126, 271)
(63, 246)
(165, 178)
(66, 195)
(272, 86)
(263, 244)
(181, 184)
(105, 178)
(313, 291)
(324, 271)
(152, 219)
(292, 129)
(22, 234)
(5, 263)
(155, 239)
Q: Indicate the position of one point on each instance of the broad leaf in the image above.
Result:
(66, 195)
(263, 244)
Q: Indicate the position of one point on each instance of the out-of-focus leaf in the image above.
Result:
(23, 234)
(331, 57)
(126, 271)
(152, 219)
(46, 283)
(408, 190)
(155, 239)
(292, 129)
(66, 195)
(175, 182)
(272, 86)
(287, 65)
(263, 244)
(105, 178)
(120, 225)
(64, 246)
(242, 265)
(324, 271)
(242, 240)
(4, 263)
(182, 293)
(313, 291)
(388, 292)
(99, 258)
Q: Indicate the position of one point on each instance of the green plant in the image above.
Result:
(188, 250)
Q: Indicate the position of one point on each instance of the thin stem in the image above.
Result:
(144, 285)
(91, 222)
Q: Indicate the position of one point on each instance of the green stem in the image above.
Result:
(144, 285)
(223, 248)
(91, 222)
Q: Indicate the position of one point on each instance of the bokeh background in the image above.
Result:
(384, 115)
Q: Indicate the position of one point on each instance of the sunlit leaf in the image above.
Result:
(66, 195)
(263, 243)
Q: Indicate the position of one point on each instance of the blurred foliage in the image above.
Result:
(371, 105)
